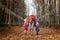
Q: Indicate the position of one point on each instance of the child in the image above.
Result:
(25, 27)
(37, 28)
(31, 24)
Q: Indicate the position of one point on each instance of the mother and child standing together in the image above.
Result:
(29, 24)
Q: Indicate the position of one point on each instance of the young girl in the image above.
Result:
(31, 25)
(25, 27)
(37, 27)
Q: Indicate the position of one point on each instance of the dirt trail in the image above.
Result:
(16, 33)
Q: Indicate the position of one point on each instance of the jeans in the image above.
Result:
(31, 24)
